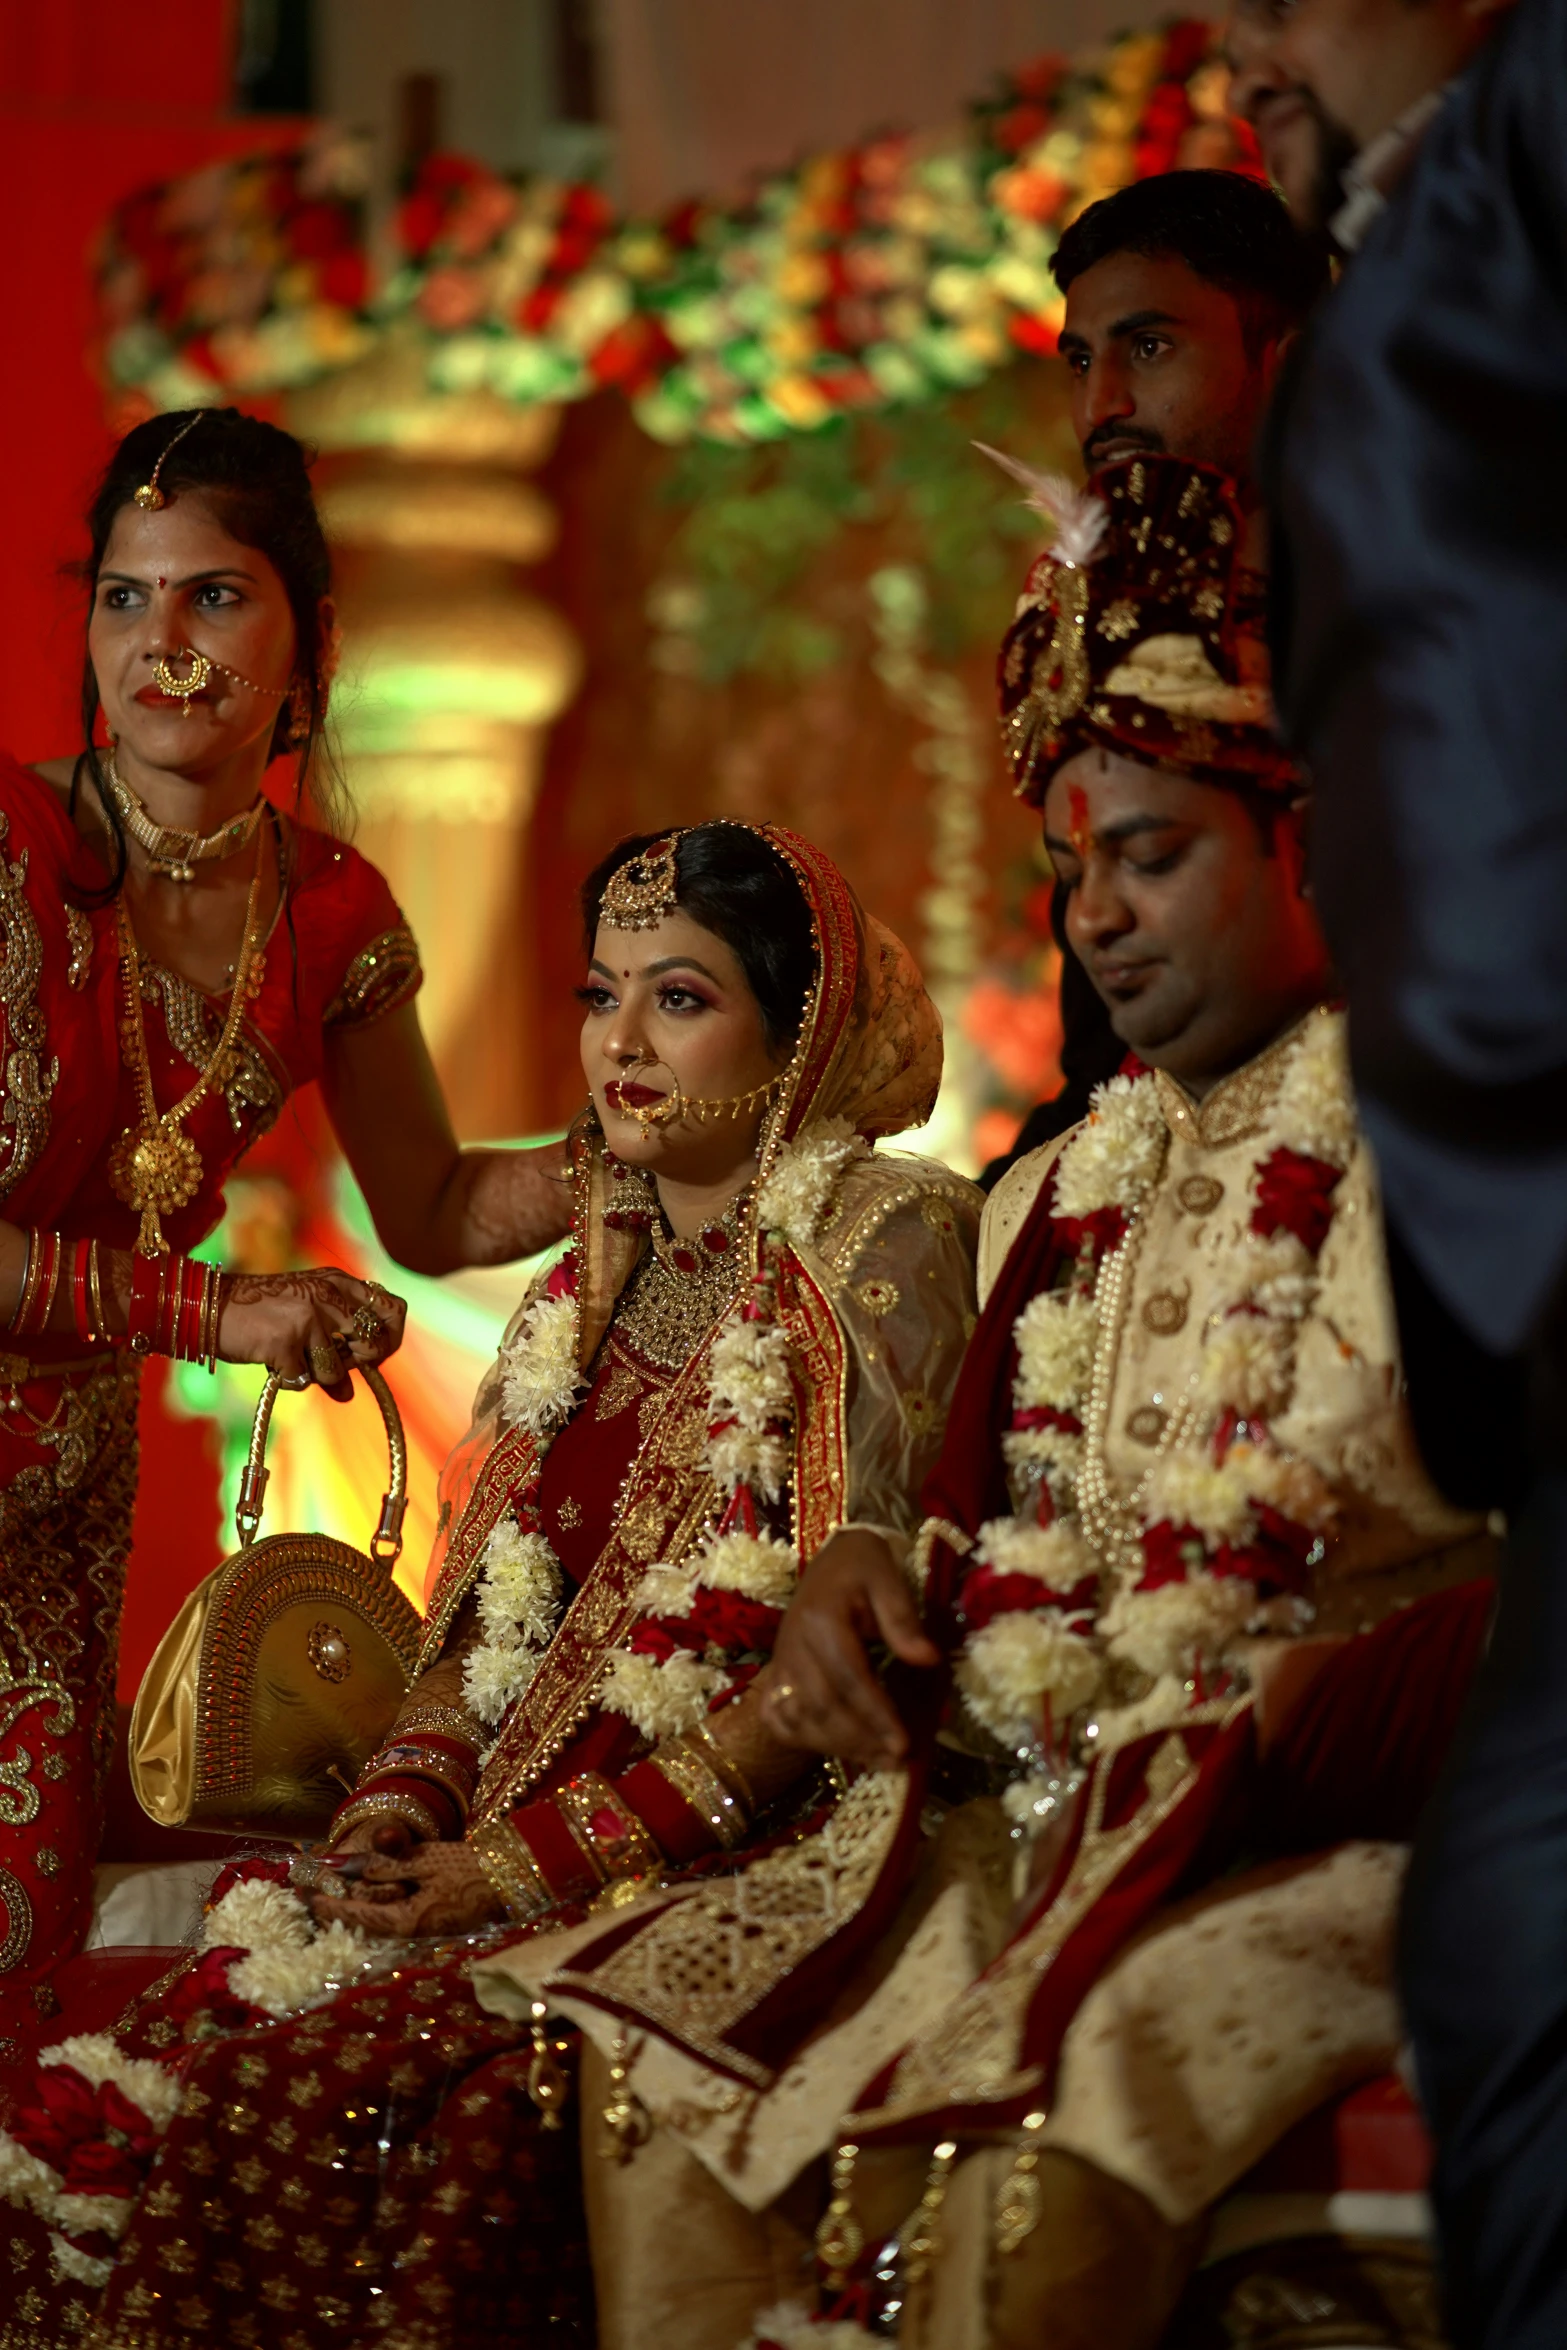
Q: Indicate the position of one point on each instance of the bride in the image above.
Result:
(314, 2134)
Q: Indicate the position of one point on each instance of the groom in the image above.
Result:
(1191, 1449)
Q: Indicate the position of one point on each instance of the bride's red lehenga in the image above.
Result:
(395, 2165)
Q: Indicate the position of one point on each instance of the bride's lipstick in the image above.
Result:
(621, 1094)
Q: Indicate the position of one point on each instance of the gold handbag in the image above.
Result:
(283, 1671)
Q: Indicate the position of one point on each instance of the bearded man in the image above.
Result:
(1184, 293)
(1181, 1552)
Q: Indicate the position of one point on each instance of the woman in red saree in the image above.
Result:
(310, 2139)
(176, 958)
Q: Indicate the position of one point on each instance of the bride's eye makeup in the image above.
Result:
(675, 996)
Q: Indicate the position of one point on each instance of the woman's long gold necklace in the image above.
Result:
(155, 1167)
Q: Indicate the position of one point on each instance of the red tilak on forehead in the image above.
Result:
(1079, 832)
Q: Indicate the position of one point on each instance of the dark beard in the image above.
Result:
(1103, 434)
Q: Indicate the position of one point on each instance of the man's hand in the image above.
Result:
(434, 1889)
(820, 1691)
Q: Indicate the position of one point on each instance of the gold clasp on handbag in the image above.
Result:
(387, 1541)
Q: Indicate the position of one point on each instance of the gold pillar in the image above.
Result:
(452, 673)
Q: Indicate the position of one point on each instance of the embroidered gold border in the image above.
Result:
(819, 1355)
(382, 977)
(28, 1085)
(661, 1508)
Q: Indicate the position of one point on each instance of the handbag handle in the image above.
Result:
(387, 1541)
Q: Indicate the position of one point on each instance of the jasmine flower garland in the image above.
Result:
(1164, 1584)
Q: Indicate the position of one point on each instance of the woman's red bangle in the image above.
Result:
(174, 1308)
(81, 1302)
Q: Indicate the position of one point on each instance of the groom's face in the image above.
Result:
(1185, 906)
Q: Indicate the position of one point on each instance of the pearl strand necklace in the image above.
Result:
(1111, 1523)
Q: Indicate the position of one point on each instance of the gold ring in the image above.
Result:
(325, 1362)
(366, 1326)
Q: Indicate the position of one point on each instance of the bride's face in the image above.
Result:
(665, 1006)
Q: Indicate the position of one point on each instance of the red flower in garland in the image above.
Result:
(1295, 1194)
(716, 1619)
(97, 2140)
(1169, 1555)
(204, 1993)
(987, 1594)
(247, 1872)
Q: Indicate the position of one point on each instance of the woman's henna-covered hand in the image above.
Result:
(435, 1889)
(300, 1324)
(819, 1690)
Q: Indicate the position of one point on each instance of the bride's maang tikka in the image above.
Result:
(641, 892)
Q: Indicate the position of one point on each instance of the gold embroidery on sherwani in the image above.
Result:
(28, 1084)
(975, 2056)
(699, 1966)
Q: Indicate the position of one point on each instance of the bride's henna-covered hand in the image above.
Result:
(435, 1889)
(393, 1839)
(300, 1323)
(819, 1690)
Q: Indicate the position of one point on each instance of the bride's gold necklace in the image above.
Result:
(175, 854)
(155, 1167)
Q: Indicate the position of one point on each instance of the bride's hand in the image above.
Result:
(316, 1324)
(393, 1837)
(436, 1889)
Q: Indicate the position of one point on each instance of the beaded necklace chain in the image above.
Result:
(155, 1167)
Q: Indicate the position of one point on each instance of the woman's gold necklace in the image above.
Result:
(155, 1167)
(175, 854)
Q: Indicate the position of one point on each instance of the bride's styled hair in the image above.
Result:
(735, 884)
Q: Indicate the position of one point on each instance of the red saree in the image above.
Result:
(340, 953)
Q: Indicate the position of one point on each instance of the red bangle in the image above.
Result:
(188, 1318)
(682, 1833)
(150, 1323)
(81, 1313)
(438, 1800)
(141, 1325)
(558, 1856)
(171, 1301)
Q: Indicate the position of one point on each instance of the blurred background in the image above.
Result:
(644, 344)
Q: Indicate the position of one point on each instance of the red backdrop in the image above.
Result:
(96, 98)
